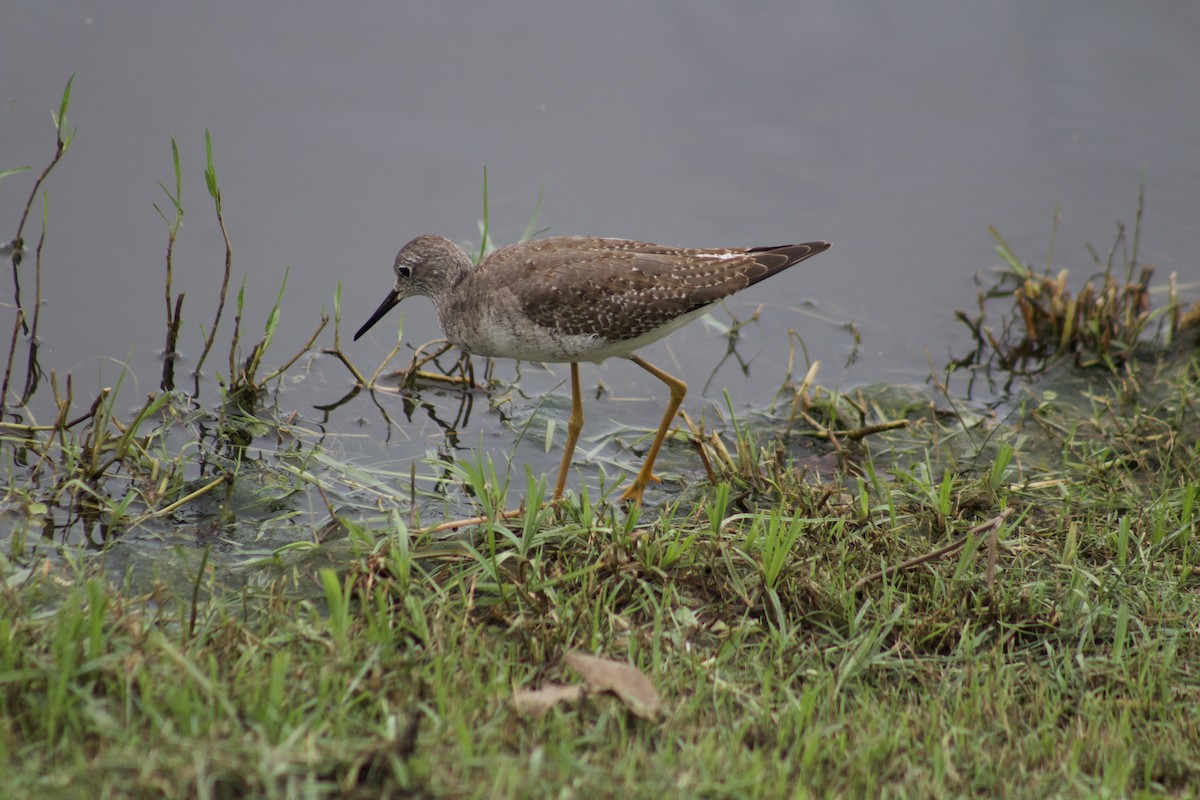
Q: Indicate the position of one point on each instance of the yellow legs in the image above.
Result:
(678, 390)
(575, 424)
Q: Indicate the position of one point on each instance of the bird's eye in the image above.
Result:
(403, 271)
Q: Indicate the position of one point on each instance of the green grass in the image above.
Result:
(960, 598)
(385, 661)
(1073, 675)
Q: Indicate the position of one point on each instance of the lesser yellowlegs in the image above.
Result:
(576, 298)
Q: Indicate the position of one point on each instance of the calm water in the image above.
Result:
(897, 133)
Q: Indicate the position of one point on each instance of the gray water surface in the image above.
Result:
(897, 132)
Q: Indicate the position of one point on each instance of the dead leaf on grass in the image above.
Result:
(536, 702)
(628, 683)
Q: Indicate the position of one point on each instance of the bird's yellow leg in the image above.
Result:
(645, 474)
(574, 426)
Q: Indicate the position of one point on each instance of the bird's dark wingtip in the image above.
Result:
(772, 260)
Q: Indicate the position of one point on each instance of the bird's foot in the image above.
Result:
(634, 493)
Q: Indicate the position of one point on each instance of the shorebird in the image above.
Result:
(569, 299)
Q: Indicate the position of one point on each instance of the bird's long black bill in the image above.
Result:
(387, 305)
